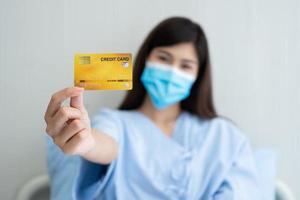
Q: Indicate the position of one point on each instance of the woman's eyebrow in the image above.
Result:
(164, 52)
(190, 61)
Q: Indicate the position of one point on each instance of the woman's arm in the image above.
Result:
(105, 149)
(241, 181)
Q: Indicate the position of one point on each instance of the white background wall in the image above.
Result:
(254, 44)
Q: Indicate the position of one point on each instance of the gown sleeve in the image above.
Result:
(91, 178)
(61, 170)
(241, 182)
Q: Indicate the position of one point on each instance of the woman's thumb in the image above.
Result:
(77, 101)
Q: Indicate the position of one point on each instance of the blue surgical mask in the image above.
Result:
(165, 84)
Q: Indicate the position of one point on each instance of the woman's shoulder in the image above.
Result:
(232, 129)
(219, 136)
(219, 128)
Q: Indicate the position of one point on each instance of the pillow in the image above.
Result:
(266, 166)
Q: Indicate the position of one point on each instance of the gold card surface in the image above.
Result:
(103, 71)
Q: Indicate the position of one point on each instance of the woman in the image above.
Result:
(166, 140)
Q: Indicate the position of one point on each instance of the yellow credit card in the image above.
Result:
(103, 71)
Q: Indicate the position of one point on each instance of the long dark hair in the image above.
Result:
(172, 31)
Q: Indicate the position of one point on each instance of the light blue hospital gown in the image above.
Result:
(202, 160)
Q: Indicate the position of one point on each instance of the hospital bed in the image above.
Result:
(38, 189)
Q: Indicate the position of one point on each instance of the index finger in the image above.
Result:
(58, 97)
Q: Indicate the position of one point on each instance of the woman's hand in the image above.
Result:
(70, 126)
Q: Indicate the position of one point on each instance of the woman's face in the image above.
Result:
(182, 56)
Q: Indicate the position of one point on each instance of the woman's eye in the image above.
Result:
(186, 67)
